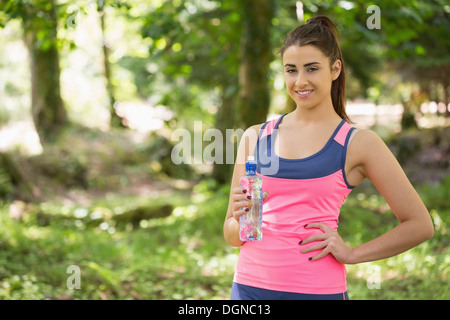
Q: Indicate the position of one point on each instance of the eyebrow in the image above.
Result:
(305, 65)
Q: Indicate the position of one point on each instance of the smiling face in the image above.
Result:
(308, 75)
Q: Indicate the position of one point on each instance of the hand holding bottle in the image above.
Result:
(250, 223)
(242, 201)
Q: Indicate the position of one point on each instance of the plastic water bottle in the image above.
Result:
(251, 222)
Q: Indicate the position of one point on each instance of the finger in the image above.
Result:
(265, 195)
(315, 247)
(237, 214)
(237, 190)
(240, 197)
(316, 237)
(320, 255)
(317, 225)
(238, 205)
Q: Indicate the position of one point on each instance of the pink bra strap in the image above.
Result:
(342, 133)
(268, 129)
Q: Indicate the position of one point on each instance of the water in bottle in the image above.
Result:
(251, 222)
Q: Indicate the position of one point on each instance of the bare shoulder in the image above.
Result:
(247, 143)
(251, 134)
(253, 130)
(372, 155)
(365, 138)
(366, 143)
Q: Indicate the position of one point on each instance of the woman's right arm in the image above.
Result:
(238, 200)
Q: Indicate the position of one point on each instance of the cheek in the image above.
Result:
(287, 79)
(289, 83)
(321, 83)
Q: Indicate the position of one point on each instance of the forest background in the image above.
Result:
(92, 205)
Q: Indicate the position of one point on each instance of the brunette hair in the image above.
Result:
(322, 33)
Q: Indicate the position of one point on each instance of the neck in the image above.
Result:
(323, 112)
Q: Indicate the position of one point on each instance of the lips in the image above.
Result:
(303, 93)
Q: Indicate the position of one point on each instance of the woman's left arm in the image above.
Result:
(376, 162)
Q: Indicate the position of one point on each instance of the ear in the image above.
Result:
(336, 69)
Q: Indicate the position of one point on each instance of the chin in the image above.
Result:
(305, 104)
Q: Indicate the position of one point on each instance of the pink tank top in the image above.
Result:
(301, 191)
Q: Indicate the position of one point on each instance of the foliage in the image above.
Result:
(186, 54)
(184, 256)
(5, 184)
(104, 197)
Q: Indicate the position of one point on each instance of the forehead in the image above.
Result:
(302, 55)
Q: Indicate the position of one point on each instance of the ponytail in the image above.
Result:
(322, 33)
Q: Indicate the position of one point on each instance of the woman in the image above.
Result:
(319, 158)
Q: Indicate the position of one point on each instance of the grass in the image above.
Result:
(184, 256)
(419, 273)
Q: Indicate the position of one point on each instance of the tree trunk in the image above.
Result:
(115, 120)
(408, 120)
(225, 119)
(16, 180)
(49, 114)
(254, 61)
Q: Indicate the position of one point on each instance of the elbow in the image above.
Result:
(429, 228)
(234, 243)
(421, 231)
(427, 231)
(238, 244)
(231, 234)
(424, 227)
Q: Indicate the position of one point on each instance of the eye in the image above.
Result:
(312, 69)
(291, 70)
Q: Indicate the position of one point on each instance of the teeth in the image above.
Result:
(304, 92)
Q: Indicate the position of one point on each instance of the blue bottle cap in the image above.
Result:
(250, 165)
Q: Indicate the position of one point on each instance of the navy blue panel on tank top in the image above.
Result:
(323, 163)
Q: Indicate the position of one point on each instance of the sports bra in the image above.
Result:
(301, 191)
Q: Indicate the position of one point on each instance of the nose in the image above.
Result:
(301, 80)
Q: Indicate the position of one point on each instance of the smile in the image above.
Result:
(304, 93)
